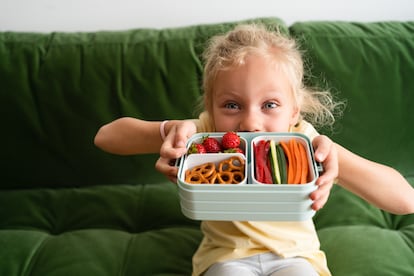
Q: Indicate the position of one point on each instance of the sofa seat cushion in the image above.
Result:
(99, 230)
(360, 239)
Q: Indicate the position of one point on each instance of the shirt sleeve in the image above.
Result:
(307, 129)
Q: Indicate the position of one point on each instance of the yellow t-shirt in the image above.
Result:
(228, 240)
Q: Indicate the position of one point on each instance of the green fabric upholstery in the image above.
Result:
(99, 230)
(59, 88)
(67, 208)
(369, 65)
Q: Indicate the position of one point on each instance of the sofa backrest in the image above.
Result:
(371, 66)
(57, 89)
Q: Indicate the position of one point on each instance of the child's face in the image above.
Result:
(254, 97)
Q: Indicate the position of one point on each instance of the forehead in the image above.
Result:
(255, 79)
(256, 68)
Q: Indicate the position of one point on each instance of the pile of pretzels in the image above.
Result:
(228, 171)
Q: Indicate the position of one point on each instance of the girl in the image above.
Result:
(253, 81)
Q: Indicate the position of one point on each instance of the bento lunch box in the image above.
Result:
(249, 200)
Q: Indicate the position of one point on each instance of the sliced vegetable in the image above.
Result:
(298, 163)
(263, 174)
(281, 158)
(274, 163)
(305, 165)
(290, 162)
(257, 167)
(283, 163)
(267, 172)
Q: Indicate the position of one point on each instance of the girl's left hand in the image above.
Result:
(325, 152)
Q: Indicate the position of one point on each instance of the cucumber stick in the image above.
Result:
(281, 158)
(274, 163)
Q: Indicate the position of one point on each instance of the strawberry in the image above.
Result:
(211, 145)
(196, 148)
(234, 150)
(230, 140)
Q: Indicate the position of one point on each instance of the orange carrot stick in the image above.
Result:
(305, 165)
(298, 162)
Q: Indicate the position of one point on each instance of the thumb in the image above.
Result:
(322, 145)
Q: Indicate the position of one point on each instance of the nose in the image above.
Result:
(249, 122)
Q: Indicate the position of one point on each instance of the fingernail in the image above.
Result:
(318, 156)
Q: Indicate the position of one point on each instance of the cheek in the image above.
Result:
(277, 126)
(279, 123)
(223, 124)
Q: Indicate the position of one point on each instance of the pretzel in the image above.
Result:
(230, 171)
(233, 164)
(227, 177)
(200, 174)
(195, 178)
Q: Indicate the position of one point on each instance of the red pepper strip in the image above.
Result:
(260, 162)
(259, 171)
(262, 171)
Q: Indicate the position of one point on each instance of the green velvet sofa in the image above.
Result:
(68, 208)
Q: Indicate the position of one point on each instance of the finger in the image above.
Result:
(174, 145)
(180, 137)
(320, 203)
(322, 145)
(320, 196)
(321, 191)
(325, 182)
(183, 132)
(168, 149)
(163, 166)
(172, 174)
(325, 152)
(331, 169)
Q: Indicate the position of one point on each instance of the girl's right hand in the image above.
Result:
(174, 146)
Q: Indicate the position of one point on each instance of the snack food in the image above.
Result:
(285, 162)
(196, 148)
(228, 171)
(212, 145)
(229, 143)
(250, 199)
(230, 140)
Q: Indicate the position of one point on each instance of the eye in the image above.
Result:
(232, 105)
(270, 105)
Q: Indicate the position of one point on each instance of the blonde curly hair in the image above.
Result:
(231, 49)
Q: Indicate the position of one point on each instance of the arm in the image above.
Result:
(129, 136)
(378, 184)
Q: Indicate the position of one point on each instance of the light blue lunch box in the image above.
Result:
(249, 200)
